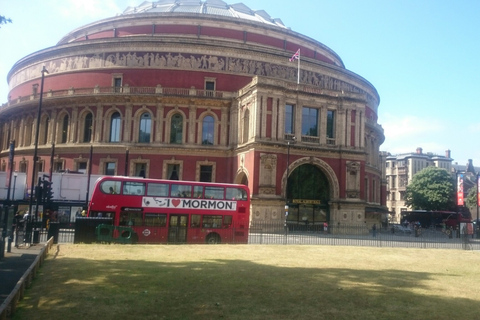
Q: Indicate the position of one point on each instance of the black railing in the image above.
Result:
(275, 232)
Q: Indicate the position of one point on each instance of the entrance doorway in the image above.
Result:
(308, 193)
(177, 228)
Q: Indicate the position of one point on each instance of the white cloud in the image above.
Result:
(405, 134)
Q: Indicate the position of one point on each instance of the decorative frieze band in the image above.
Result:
(184, 62)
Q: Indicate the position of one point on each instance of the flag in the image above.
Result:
(295, 56)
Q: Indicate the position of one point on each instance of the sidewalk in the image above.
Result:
(14, 265)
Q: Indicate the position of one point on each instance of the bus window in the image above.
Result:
(212, 221)
(227, 221)
(131, 218)
(195, 221)
(110, 186)
(155, 220)
(236, 194)
(214, 192)
(135, 188)
(157, 189)
(198, 192)
(181, 191)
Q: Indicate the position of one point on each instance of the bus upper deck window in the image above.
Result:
(134, 188)
(110, 186)
(236, 194)
(157, 189)
(214, 192)
(181, 191)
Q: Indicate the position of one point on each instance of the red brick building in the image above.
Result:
(206, 92)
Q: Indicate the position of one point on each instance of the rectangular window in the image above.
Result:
(206, 173)
(117, 84)
(58, 166)
(212, 221)
(140, 169)
(331, 124)
(236, 194)
(209, 88)
(82, 167)
(172, 172)
(110, 168)
(310, 122)
(157, 190)
(198, 192)
(134, 188)
(289, 119)
(181, 191)
(195, 221)
(155, 220)
(214, 192)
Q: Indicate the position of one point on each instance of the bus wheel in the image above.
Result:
(213, 238)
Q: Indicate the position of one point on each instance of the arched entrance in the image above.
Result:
(308, 193)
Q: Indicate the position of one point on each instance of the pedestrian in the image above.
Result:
(374, 230)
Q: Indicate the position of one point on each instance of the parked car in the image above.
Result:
(398, 228)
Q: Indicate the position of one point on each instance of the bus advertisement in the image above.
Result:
(170, 211)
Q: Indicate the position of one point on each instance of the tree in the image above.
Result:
(431, 189)
(4, 20)
(471, 200)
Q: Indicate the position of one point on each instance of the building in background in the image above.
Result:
(204, 91)
(400, 170)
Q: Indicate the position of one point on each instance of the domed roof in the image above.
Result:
(212, 7)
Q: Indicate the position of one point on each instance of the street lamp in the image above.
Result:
(15, 174)
(289, 142)
(35, 150)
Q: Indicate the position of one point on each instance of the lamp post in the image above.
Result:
(15, 174)
(35, 150)
(289, 142)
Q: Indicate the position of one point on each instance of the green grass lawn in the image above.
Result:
(253, 282)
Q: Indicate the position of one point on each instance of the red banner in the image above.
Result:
(460, 189)
(478, 191)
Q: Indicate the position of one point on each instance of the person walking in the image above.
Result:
(374, 230)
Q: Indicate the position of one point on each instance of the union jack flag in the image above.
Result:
(296, 56)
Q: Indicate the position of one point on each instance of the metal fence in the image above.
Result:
(268, 232)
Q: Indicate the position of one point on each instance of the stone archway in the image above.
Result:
(324, 167)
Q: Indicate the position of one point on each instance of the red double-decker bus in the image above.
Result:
(167, 211)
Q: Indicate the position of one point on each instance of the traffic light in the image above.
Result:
(47, 191)
(38, 192)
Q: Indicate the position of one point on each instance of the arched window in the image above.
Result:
(246, 125)
(45, 131)
(27, 133)
(87, 128)
(64, 133)
(208, 130)
(176, 129)
(115, 127)
(145, 127)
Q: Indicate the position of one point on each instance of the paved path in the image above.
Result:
(14, 265)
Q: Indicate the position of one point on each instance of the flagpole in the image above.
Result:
(298, 68)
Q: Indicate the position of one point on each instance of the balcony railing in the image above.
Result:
(125, 90)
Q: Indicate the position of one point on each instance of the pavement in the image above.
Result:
(13, 266)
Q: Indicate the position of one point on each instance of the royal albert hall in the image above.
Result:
(203, 91)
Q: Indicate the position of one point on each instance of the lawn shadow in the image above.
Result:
(231, 289)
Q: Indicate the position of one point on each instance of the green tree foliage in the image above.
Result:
(431, 189)
(4, 20)
(471, 200)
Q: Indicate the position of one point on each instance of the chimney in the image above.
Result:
(419, 150)
(470, 167)
(447, 153)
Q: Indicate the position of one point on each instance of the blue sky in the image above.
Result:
(422, 56)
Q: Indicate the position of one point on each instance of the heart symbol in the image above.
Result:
(175, 202)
